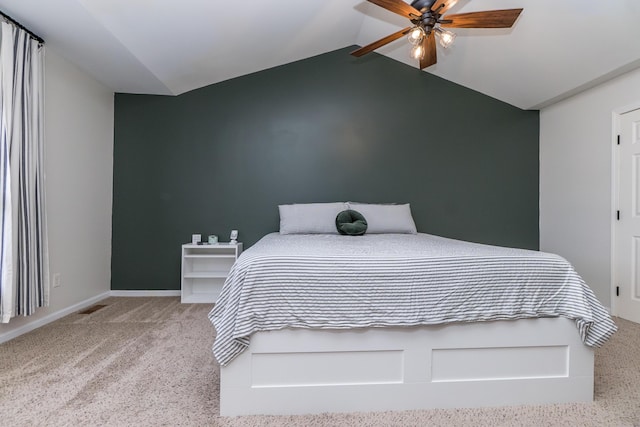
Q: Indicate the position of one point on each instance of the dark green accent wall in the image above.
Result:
(328, 128)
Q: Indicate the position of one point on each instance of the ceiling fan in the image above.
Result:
(427, 17)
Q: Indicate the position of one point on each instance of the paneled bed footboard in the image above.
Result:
(496, 363)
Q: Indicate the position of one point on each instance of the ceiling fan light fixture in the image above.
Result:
(417, 52)
(446, 37)
(426, 17)
(416, 35)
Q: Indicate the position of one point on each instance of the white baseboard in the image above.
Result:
(175, 293)
(52, 317)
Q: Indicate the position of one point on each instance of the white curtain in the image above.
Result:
(24, 255)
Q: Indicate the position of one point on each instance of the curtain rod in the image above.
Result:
(22, 27)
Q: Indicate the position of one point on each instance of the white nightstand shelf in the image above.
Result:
(204, 270)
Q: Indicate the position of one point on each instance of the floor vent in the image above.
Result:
(92, 309)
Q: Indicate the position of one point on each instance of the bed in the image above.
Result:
(330, 323)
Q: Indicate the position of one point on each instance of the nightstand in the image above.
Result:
(204, 270)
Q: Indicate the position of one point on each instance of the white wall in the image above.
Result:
(79, 168)
(576, 178)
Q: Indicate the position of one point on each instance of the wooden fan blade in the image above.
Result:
(399, 7)
(373, 46)
(429, 46)
(488, 19)
(441, 6)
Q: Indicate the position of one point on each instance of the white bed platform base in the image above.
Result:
(299, 371)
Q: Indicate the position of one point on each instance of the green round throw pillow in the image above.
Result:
(351, 223)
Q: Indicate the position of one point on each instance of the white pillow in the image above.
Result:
(310, 218)
(383, 219)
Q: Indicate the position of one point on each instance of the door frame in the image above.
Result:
(616, 118)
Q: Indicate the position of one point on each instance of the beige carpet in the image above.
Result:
(147, 362)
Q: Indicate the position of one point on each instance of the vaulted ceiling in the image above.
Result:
(555, 49)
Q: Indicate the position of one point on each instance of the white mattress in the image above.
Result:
(338, 282)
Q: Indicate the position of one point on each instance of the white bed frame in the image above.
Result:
(299, 371)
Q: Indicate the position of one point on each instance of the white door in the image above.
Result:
(627, 237)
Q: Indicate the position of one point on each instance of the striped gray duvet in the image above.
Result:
(337, 282)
